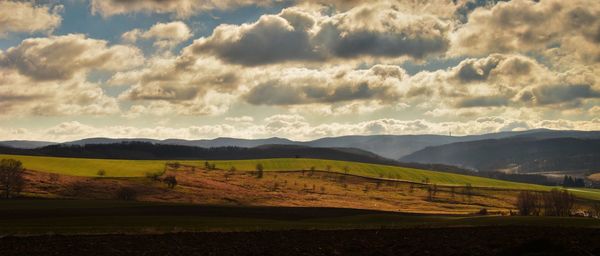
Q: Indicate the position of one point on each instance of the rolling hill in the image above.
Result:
(520, 154)
(25, 144)
(85, 167)
(138, 168)
(148, 151)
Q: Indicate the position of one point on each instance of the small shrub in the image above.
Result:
(54, 178)
(126, 193)
(153, 176)
(171, 181)
(483, 211)
(174, 165)
(101, 173)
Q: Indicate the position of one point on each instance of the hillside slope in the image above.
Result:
(150, 151)
(520, 154)
(139, 168)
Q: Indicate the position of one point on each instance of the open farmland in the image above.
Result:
(138, 168)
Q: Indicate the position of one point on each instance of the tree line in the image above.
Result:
(553, 203)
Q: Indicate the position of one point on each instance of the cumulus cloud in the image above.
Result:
(165, 35)
(306, 86)
(180, 8)
(197, 87)
(378, 30)
(21, 96)
(523, 25)
(25, 17)
(62, 57)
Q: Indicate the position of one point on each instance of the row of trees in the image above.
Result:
(553, 203)
(569, 181)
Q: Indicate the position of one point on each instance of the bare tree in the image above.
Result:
(558, 203)
(259, 170)
(469, 190)
(595, 210)
(528, 203)
(430, 193)
(11, 177)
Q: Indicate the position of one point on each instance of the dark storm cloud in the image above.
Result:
(562, 93)
(270, 40)
(279, 94)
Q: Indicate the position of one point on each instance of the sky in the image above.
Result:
(299, 69)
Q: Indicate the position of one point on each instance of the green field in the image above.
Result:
(138, 168)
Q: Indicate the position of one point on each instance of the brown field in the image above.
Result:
(413, 241)
(289, 188)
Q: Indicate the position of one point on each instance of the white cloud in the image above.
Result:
(569, 27)
(377, 31)
(180, 8)
(23, 96)
(62, 57)
(165, 35)
(25, 17)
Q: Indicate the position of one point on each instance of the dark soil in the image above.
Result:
(433, 241)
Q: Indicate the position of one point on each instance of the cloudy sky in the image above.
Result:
(297, 69)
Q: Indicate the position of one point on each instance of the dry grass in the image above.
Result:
(290, 188)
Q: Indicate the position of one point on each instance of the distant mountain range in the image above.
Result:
(26, 144)
(388, 146)
(521, 154)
